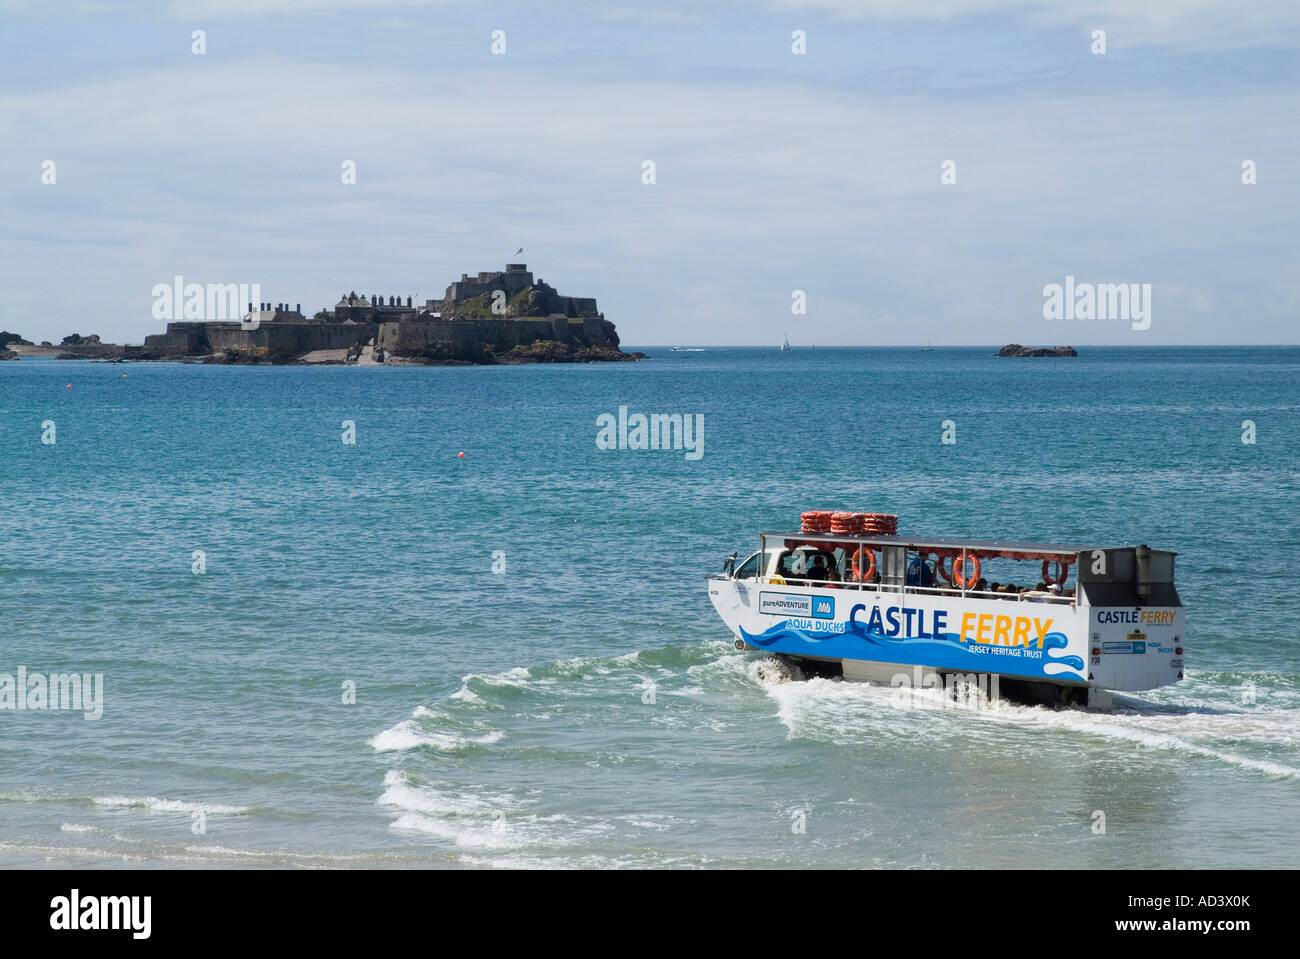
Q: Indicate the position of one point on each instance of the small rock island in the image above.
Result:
(498, 317)
(1015, 349)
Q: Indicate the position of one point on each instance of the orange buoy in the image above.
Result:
(460, 456)
(957, 566)
(1063, 566)
(858, 575)
(940, 559)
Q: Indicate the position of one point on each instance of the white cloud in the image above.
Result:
(230, 172)
(651, 14)
(249, 9)
(1197, 24)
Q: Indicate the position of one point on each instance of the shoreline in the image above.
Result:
(114, 353)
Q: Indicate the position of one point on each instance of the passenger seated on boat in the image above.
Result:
(1038, 594)
(819, 571)
(919, 573)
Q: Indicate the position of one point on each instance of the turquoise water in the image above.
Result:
(585, 707)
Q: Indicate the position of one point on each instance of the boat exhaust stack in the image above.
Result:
(1143, 585)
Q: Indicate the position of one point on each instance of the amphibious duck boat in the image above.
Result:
(845, 595)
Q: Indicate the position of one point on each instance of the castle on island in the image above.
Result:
(496, 316)
(515, 284)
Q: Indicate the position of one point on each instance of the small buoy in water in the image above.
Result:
(69, 386)
(460, 456)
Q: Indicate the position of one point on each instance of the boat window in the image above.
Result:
(806, 563)
(748, 569)
(791, 565)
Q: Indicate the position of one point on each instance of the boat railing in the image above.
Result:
(1022, 596)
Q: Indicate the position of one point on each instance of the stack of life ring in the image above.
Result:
(880, 524)
(816, 521)
(850, 523)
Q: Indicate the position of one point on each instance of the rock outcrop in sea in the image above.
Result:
(1015, 349)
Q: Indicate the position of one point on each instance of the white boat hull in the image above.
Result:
(876, 635)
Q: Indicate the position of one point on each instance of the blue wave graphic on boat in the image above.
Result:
(945, 651)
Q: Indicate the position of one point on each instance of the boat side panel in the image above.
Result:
(1043, 641)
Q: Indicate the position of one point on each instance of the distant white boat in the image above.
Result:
(785, 344)
(928, 348)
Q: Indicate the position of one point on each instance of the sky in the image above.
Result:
(774, 171)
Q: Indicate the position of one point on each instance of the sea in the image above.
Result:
(314, 635)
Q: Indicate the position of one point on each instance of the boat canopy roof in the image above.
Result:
(946, 544)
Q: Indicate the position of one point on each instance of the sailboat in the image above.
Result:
(928, 348)
(785, 343)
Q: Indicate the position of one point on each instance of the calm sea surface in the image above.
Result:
(585, 707)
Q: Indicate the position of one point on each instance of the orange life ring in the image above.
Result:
(871, 570)
(938, 566)
(957, 568)
(1064, 567)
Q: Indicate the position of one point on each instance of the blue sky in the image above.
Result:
(774, 172)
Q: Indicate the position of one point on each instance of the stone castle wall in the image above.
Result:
(192, 339)
(461, 339)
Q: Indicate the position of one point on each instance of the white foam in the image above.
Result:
(439, 799)
(841, 712)
(772, 671)
(519, 676)
(155, 804)
(1129, 729)
(152, 803)
(408, 735)
(466, 695)
(474, 835)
